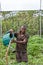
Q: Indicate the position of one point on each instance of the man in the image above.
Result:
(21, 45)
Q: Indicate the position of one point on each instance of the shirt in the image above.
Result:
(20, 46)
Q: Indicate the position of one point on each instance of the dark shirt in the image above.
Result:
(20, 46)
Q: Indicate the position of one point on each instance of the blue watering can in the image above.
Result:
(7, 38)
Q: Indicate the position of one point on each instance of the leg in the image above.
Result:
(18, 58)
(24, 57)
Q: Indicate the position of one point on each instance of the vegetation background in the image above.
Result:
(35, 42)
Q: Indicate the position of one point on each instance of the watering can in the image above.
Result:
(7, 38)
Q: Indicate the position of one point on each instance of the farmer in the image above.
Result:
(21, 45)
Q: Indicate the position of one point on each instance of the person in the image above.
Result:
(21, 44)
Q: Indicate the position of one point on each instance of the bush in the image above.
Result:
(35, 45)
(34, 50)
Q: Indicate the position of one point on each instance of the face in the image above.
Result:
(22, 29)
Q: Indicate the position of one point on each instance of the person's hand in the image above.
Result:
(13, 40)
(11, 30)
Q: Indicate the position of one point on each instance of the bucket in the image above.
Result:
(6, 39)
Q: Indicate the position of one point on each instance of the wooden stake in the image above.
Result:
(6, 56)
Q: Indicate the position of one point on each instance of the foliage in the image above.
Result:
(35, 43)
(22, 18)
(34, 51)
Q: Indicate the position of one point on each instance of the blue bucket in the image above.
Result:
(6, 39)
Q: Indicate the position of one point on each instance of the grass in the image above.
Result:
(34, 51)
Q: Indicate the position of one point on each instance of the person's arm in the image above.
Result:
(21, 42)
(15, 34)
(10, 31)
(24, 41)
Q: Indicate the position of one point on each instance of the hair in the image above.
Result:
(23, 27)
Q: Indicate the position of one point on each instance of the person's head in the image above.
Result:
(23, 29)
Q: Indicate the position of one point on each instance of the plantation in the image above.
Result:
(34, 51)
(13, 20)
